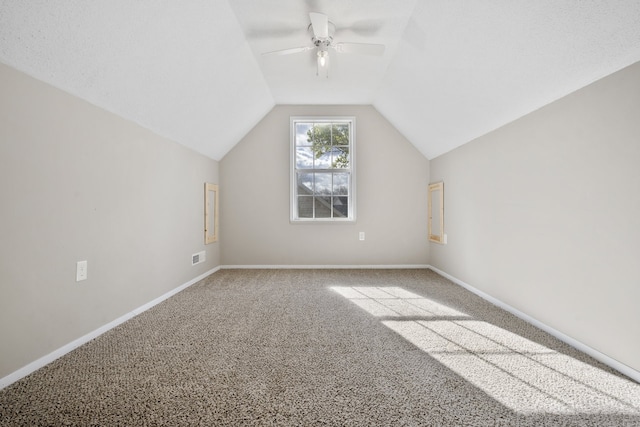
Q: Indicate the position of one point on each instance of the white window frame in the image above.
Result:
(293, 204)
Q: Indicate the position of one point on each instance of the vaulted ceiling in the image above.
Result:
(193, 71)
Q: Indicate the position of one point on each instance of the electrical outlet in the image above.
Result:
(361, 236)
(81, 271)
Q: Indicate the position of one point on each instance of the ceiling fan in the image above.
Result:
(322, 40)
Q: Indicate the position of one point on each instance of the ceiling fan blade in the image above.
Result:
(288, 51)
(361, 48)
(363, 27)
(320, 24)
(272, 32)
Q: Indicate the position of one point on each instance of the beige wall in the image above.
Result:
(391, 184)
(78, 183)
(544, 215)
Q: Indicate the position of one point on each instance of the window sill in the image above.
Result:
(321, 221)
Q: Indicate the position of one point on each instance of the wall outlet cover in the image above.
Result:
(81, 271)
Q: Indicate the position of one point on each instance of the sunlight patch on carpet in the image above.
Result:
(521, 374)
(394, 302)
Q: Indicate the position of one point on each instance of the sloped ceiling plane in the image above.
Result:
(194, 71)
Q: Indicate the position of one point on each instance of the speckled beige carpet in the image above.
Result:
(323, 347)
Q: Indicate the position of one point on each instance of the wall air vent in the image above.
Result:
(198, 258)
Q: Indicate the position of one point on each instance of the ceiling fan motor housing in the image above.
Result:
(322, 41)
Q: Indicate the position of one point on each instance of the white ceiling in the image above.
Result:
(193, 71)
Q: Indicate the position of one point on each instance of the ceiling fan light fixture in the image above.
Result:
(322, 58)
(322, 63)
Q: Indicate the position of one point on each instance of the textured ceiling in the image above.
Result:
(465, 68)
(180, 68)
(193, 71)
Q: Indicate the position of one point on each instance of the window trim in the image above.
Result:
(293, 200)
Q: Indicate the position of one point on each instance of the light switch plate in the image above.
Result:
(81, 271)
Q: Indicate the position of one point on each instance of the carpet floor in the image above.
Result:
(323, 348)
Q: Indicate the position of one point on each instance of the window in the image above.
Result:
(322, 169)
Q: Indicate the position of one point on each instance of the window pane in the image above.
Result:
(340, 134)
(304, 158)
(321, 134)
(323, 158)
(323, 184)
(302, 133)
(305, 206)
(340, 206)
(340, 157)
(341, 184)
(323, 207)
(321, 137)
(305, 184)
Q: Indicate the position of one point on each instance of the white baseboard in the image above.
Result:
(609, 361)
(324, 267)
(37, 364)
